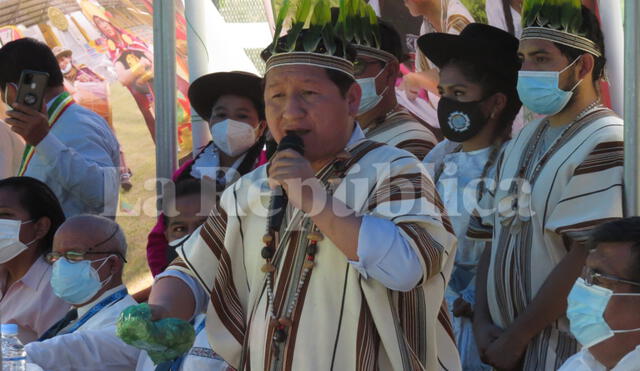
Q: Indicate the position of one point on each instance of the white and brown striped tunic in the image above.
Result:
(342, 321)
(579, 187)
(402, 130)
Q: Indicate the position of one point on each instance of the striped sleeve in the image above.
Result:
(596, 182)
(207, 257)
(407, 197)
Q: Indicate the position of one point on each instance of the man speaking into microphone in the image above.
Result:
(354, 276)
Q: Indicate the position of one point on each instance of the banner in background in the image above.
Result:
(103, 42)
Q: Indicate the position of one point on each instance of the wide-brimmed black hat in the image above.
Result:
(477, 42)
(205, 91)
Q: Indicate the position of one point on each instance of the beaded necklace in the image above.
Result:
(334, 174)
(514, 209)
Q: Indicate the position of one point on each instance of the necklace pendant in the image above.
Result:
(280, 335)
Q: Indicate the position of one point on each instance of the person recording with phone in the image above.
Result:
(68, 147)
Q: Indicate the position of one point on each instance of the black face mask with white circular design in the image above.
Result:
(460, 121)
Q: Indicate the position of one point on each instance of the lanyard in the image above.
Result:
(115, 297)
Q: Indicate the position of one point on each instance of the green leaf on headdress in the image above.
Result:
(565, 15)
(302, 15)
(571, 15)
(373, 21)
(530, 10)
(282, 15)
(551, 13)
(320, 19)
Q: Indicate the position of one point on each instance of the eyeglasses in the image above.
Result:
(590, 277)
(359, 66)
(75, 256)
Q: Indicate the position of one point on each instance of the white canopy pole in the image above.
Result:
(631, 106)
(164, 86)
(196, 15)
(611, 20)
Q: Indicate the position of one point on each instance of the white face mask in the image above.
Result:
(10, 244)
(233, 137)
(67, 69)
(370, 97)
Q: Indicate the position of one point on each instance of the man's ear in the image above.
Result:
(9, 94)
(392, 70)
(353, 99)
(585, 65)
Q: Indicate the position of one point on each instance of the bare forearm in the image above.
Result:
(174, 297)
(550, 303)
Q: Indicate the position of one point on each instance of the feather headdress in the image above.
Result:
(558, 21)
(314, 39)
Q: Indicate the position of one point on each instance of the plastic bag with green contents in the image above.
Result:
(163, 340)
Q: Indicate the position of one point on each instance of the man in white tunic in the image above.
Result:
(559, 178)
(355, 276)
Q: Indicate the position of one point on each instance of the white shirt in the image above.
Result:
(79, 160)
(11, 149)
(585, 361)
(457, 187)
(200, 357)
(94, 346)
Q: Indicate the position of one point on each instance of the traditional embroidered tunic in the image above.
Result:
(400, 129)
(342, 320)
(579, 187)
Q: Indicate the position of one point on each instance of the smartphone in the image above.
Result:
(31, 88)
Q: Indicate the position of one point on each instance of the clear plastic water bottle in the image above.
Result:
(14, 357)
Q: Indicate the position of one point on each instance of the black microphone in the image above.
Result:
(279, 200)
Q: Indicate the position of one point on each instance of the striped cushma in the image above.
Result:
(579, 187)
(402, 130)
(342, 321)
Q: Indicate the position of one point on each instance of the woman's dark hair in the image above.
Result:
(493, 81)
(39, 201)
(28, 54)
(591, 30)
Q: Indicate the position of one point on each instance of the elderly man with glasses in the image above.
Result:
(88, 258)
(604, 301)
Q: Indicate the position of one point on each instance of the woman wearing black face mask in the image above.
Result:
(479, 101)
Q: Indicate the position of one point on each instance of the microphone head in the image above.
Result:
(292, 141)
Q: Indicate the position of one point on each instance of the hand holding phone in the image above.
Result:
(27, 118)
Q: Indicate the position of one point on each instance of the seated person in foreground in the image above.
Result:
(88, 259)
(604, 302)
(30, 214)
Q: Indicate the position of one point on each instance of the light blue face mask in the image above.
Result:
(78, 282)
(539, 91)
(586, 313)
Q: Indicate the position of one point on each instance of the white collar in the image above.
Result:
(356, 136)
(85, 308)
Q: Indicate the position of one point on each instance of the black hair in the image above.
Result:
(493, 81)
(390, 41)
(28, 54)
(621, 230)
(185, 186)
(592, 31)
(39, 201)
